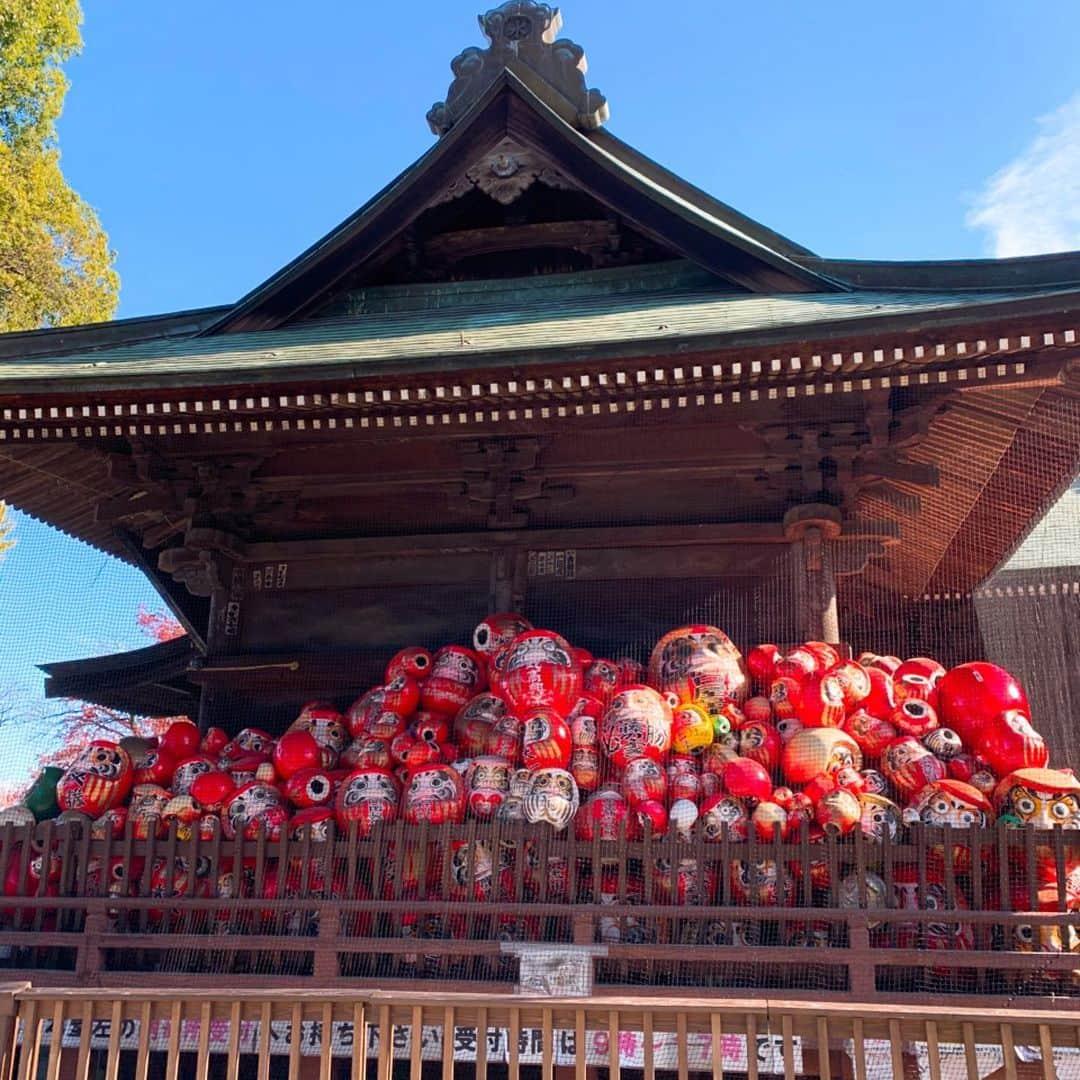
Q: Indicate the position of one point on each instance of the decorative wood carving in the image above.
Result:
(520, 32)
(504, 174)
(170, 497)
(504, 474)
(832, 462)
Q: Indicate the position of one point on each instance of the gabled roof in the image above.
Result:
(661, 206)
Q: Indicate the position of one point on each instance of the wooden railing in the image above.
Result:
(405, 905)
(335, 1034)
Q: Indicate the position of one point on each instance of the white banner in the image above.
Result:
(530, 1043)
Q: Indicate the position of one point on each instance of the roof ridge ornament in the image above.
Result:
(520, 32)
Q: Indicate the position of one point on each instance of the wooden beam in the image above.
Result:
(191, 612)
(526, 539)
(580, 235)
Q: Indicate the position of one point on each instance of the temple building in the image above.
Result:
(540, 373)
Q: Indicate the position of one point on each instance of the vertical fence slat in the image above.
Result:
(359, 1055)
(1046, 1049)
(416, 1065)
(969, 1052)
(449, 1027)
(858, 1049)
(933, 1052)
(326, 1050)
(824, 1064)
(386, 1034)
(82, 1062)
(172, 1062)
(112, 1057)
(29, 1052)
(789, 1047)
(717, 1045)
(514, 1034)
(142, 1053)
(613, 1045)
(649, 1044)
(896, 1048)
(296, 1029)
(751, 1047)
(1032, 868)
(9, 1038)
(580, 1050)
(265, 1017)
(682, 1048)
(43, 877)
(547, 1035)
(1008, 1051)
(232, 1064)
(56, 1043)
(202, 1060)
(481, 1042)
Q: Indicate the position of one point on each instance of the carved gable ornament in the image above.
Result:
(504, 174)
(523, 32)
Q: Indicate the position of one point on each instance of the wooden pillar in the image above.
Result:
(810, 527)
(509, 573)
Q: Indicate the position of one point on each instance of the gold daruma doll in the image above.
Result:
(700, 665)
(814, 751)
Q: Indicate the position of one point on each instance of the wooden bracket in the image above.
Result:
(505, 475)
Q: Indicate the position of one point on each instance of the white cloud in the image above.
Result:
(1032, 205)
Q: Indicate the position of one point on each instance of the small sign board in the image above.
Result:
(557, 971)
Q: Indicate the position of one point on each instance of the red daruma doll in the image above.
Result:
(498, 631)
(436, 794)
(638, 724)
(99, 779)
(457, 674)
(489, 784)
(366, 798)
(542, 671)
(546, 741)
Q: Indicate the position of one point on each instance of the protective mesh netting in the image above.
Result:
(849, 819)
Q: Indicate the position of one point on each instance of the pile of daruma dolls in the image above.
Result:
(700, 744)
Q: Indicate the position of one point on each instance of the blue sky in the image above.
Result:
(218, 140)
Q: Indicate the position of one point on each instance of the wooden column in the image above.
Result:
(810, 527)
(508, 580)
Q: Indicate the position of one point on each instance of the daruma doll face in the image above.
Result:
(366, 798)
(436, 794)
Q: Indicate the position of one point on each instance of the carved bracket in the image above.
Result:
(520, 32)
(197, 563)
(834, 462)
(504, 474)
(166, 499)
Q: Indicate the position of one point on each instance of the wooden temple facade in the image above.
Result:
(539, 372)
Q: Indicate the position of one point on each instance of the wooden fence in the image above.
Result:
(964, 913)
(327, 1034)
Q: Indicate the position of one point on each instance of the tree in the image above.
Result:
(159, 625)
(55, 263)
(78, 722)
(6, 543)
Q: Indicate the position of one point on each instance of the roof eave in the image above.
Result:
(1058, 269)
(807, 335)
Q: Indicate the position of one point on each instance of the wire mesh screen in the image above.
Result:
(805, 722)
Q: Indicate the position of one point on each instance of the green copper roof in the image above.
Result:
(512, 324)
